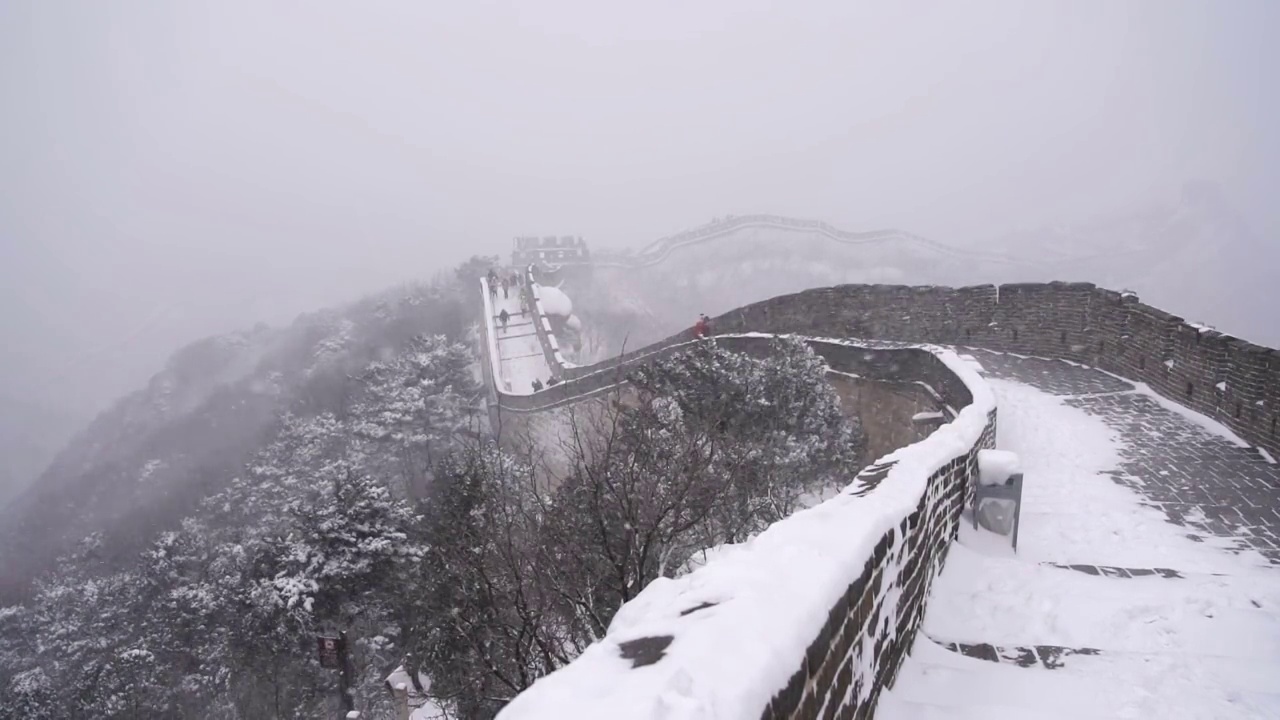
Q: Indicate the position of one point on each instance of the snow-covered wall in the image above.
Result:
(1228, 379)
(542, 323)
(844, 645)
(489, 344)
(832, 595)
(660, 249)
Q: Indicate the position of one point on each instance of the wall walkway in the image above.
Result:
(898, 517)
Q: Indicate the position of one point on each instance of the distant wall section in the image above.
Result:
(1226, 378)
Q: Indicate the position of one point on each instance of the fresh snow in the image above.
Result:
(781, 585)
(421, 706)
(554, 301)
(1209, 425)
(515, 348)
(1205, 646)
(995, 467)
(430, 711)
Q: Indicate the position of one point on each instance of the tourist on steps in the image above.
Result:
(503, 317)
(506, 285)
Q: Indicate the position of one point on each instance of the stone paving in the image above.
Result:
(1200, 481)
(1103, 634)
(1050, 657)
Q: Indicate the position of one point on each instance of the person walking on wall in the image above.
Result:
(503, 317)
(702, 328)
(506, 286)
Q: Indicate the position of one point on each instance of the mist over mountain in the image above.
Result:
(156, 453)
(30, 435)
(296, 441)
(1192, 256)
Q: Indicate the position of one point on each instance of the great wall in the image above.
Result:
(851, 618)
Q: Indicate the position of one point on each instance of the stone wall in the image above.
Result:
(887, 411)
(870, 630)
(847, 629)
(1228, 379)
(659, 250)
(541, 324)
(869, 625)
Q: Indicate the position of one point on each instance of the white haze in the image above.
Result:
(172, 170)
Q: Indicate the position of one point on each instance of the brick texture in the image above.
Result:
(859, 650)
(1223, 377)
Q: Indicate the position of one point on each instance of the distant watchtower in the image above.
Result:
(557, 258)
(550, 251)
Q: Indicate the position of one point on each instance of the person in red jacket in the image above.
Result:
(702, 328)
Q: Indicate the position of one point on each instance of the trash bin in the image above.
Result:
(997, 495)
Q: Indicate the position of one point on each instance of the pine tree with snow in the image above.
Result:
(413, 406)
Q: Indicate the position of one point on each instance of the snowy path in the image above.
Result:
(520, 355)
(1201, 642)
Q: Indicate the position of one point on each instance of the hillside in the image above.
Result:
(148, 461)
(145, 461)
(275, 482)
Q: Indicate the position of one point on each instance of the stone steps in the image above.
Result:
(938, 683)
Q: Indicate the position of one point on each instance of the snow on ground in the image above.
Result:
(1203, 646)
(520, 356)
(554, 301)
(1208, 424)
(995, 467)
(780, 585)
(430, 710)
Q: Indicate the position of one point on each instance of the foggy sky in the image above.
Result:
(171, 170)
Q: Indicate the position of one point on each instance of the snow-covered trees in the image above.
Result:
(708, 448)
(388, 515)
(704, 448)
(412, 406)
(770, 429)
(217, 617)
